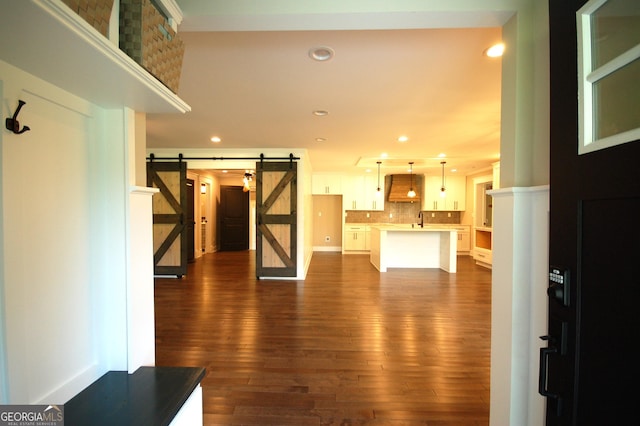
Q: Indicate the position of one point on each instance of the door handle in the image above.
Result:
(544, 370)
(543, 374)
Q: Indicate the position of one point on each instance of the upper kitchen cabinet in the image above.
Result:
(455, 194)
(65, 50)
(326, 184)
(374, 199)
(360, 193)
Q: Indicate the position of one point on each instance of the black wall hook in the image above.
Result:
(13, 124)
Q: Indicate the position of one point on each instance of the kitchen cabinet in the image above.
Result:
(326, 184)
(360, 193)
(483, 220)
(373, 200)
(356, 237)
(455, 194)
(464, 238)
(482, 253)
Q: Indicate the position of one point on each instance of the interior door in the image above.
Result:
(276, 224)
(190, 221)
(589, 367)
(170, 239)
(234, 218)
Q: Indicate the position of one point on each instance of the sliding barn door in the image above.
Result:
(276, 220)
(169, 217)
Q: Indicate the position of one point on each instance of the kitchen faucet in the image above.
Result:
(421, 217)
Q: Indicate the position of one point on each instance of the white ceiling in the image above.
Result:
(258, 89)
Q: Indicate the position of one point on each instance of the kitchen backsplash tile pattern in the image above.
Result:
(401, 213)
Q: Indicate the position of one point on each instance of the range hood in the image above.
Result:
(400, 185)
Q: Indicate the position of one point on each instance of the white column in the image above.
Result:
(519, 303)
(140, 303)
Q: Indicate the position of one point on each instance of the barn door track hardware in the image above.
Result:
(13, 124)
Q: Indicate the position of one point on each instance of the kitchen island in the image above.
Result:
(404, 246)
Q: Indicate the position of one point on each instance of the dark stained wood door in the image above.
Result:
(276, 224)
(170, 239)
(589, 363)
(234, 218)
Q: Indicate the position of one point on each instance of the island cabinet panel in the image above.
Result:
(404, 247)
(455, 194)
(326, 184)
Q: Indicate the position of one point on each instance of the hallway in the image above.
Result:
(347, 346)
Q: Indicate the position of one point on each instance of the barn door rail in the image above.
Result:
(261, 158)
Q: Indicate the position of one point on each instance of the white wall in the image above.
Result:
(63, 238)
(520, 243)
(305, 220)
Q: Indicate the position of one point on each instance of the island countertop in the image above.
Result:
(407, 246)
(412, 227)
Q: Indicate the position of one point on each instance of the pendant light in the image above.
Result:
(443, 191)
(379, 192)
(248, 177)
(411, 192)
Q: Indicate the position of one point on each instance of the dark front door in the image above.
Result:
(590, 367)
(234, 218)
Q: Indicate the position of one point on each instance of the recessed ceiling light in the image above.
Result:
(321, 53)
(384, 155)
(495, 51)
(442, 155)
(215, 139)
(225, 171)
(403, 138)
(320, 112)
(321, 139)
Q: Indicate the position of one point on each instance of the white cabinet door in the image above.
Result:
(326, 184)
(464, 238)
(355, 238)
(353, 192)
(431, 198)
(455, 194)
(360, 193)
(373, 200)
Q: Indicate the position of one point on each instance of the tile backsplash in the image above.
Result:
(401, 213)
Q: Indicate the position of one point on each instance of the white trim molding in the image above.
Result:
(519, 303)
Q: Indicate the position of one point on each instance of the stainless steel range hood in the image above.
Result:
(400, 186)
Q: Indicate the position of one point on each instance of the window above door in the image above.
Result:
(608, 73)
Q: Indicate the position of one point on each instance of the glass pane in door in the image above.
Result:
(616, 105)
(615, 28)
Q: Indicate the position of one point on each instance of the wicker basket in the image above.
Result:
(147, 37)
(96, 12)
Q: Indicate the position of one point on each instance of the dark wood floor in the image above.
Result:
(347, 346)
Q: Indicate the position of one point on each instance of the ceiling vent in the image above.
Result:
(400, 186)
